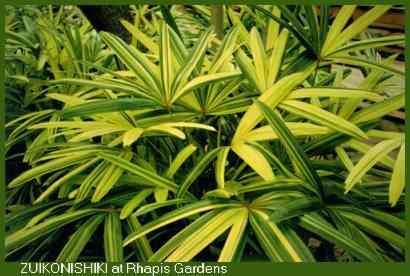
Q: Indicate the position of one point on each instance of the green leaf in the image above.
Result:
(293, 26)
(168, 130)
(133, 203)
(360, 62)
(91, 181)
(188, 124)
(334, 93)
(142, 244)
(19, 218)
(359, 25)
(276, 58)
(141, 37)
(153, 206)
(104, 106)
(323, 24)
(205, 235)
(131, 136)
(394, 222)
(266, 240)
(181, 157)
(160, 195)
(273, 29)
(272, 97)
(278, 183)
(351, 231)
(248, 69)
(113, 238)
(374, 155)
(235, 237)
(220, 167)
(313, 24)
(259, 58)
(365, 44)
(87, 135)
(297, 129)
(376, 229)
(273, 240)
(292, 238)
(344, 157)
(294, 150)
(255, 159)
(111, 175)
(380, 109)
(196, 171)
(134, 60)
(16, 36)
(329, 233)
(323, 117)
(181, 213)
(165, 61)
(113, 84)
(48, 167)
(295, 208)
(204, 80)
(339, 23)
(397, 182)
(177, 239)
(192, 62)
(77, 242)
(146, 175)
(62, 180)
(25, 236)
(273, 159)
(41, 216)
(224, 54)
(364, 148)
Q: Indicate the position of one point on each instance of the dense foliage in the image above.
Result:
(186, 146)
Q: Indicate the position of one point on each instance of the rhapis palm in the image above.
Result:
(241, 146)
